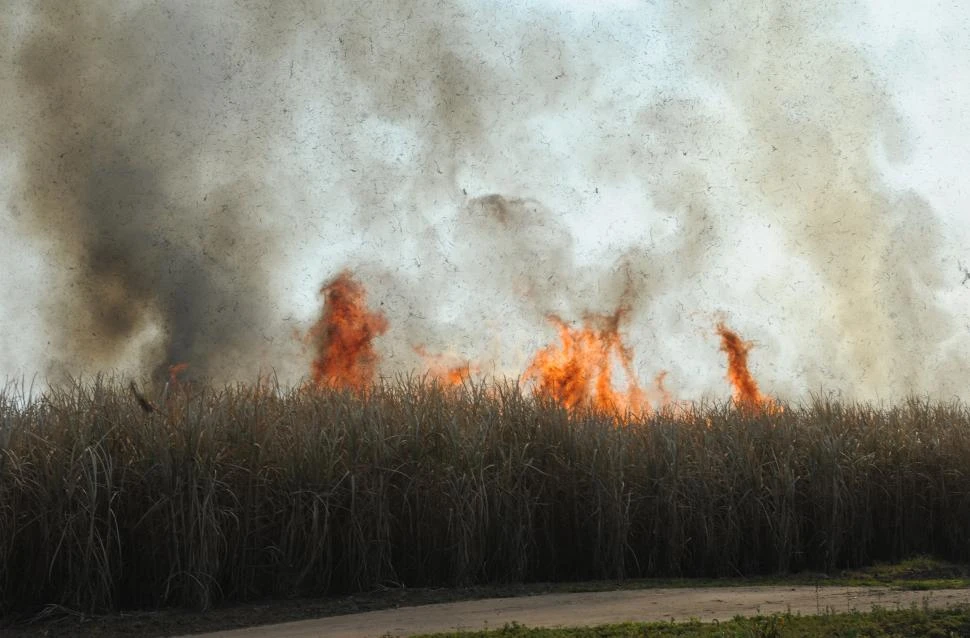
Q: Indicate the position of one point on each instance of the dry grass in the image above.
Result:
(240, 493)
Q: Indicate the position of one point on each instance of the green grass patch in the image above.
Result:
(918, 573)
(905, 623)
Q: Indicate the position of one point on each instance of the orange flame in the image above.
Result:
(444, 368)
(660, 381)
(175, 370)
(580, 370)
(745, 390)
(343, 337)
(577, 372)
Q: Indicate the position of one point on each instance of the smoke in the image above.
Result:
(192, 176)
(815, 114)
(114, 159)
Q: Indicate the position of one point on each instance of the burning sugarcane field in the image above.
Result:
(307, 302)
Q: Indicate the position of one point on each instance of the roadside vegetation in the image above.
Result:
(907, 623)
(921, 573)
(195, 496)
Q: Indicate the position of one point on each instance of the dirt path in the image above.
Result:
(551, 610)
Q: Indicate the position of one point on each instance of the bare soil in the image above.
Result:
(405, 611)
(597, 608)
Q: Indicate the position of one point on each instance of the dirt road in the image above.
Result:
(551, 610)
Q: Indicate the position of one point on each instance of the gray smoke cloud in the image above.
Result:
(119, 105)
(815, 114)
(193, 175)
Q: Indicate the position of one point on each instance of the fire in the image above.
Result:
(444, 368)
(580, 369)
(660, 382)
(175, 370)
(343, 337)
(577, 372)
(745, 390)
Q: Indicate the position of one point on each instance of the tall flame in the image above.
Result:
(343, 337)
(745, 390)
(580, 369)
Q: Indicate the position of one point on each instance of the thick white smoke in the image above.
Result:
(178, 181)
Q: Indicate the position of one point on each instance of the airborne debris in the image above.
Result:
(145, 404)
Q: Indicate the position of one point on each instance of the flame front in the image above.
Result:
(343, 337)
(579, 370)
(745, 390)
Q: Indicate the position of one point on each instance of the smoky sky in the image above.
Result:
(120, 105)
(189, 176)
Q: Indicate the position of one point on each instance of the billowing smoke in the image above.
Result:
(815, 115)
(193, 176)
(149, 252)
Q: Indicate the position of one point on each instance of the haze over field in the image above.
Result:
(177, 182)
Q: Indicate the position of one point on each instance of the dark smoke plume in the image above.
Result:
(114, 162)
